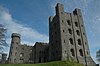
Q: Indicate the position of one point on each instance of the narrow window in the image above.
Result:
(85, 43)
(52, 36)
(15, 60)
(64, 41)
(76, 24)
(63, 31)
(55, 32)
(56, 41)
(65, 51)
(55, 24)
(71, 41)
(83, 33)
(62, 21)
(16, 42)
(87, 53)
(82, 25)
(12, 47)
(72, 52)
(81, 52)
(79, 42)
(78, 33)
(22, 48)
(68, 21)
(70, 31)
(11, 53)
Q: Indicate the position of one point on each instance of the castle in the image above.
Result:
(67, 41)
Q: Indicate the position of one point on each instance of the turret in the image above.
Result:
(4, 56)
(15, 42)
(59, 9)
(15, 38)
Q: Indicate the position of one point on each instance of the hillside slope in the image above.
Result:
(55, 63)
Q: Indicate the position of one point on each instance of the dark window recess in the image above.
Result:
(79, 41)
(78, 33)
(82, 25)
(11, 53)
(55, 24)
(71, 41)
(68, 21)
(64, 41)
(55, 32)
(81, 52)
(72, 52)
(16, 42)
(63, 31)
(56, 51)
(22, 48)
(56, 41)
(76, 24)
(65, 52)
(52, 36)
(83, 33)
(85, 43)
(16, 47)
(70, 31)
(12, 42)
(15, 60)
(62, 21)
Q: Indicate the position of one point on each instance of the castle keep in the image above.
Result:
(67, 41)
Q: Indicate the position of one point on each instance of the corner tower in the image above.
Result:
(67, 37)
(4, 56)
(15, 42)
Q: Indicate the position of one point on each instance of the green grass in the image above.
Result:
(55, 63)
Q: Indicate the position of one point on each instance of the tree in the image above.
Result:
(3, 37)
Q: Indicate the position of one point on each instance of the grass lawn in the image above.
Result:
(55, 63)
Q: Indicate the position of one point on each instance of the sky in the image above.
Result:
(30, 18)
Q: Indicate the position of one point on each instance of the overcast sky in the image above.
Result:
(30, 18)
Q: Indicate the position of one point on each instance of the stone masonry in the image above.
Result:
(67, 37)
(67, 41)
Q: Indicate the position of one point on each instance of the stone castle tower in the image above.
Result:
(14, 47)
(67, 37)
(19, 53)
(67, 41)
(3, 60)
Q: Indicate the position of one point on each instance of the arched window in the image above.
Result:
(78, 33)
(15, 60)
(70, 31)
(64, 41)
(76, 24)
(71, 41)
(79, 42)
(68, 21)
(81, 52)
(63, 30)
(72, 52)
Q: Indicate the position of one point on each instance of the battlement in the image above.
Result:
(15, 35)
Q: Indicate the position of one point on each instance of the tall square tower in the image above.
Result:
(67, 37)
